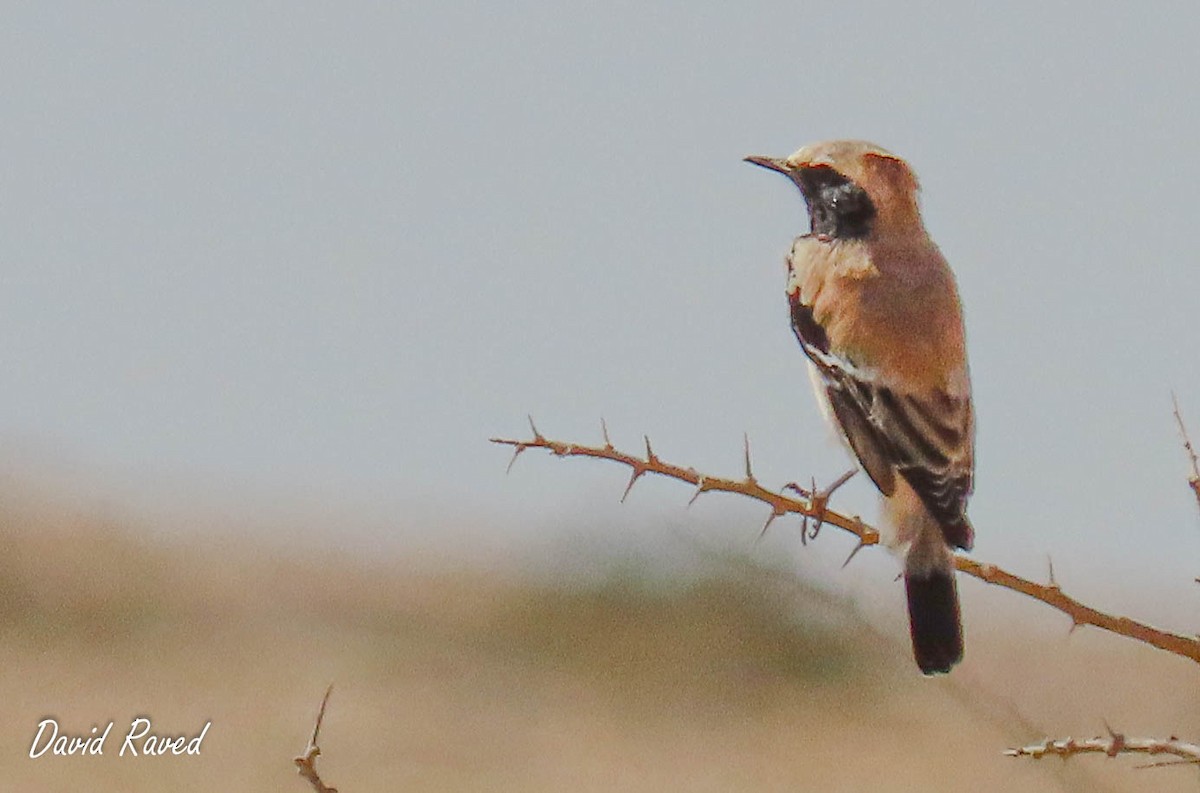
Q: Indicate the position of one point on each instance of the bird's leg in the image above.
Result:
(818, 501)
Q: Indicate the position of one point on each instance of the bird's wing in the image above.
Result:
(928, 438)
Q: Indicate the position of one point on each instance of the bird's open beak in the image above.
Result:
(770, 163)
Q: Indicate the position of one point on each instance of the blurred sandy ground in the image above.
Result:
(733, 677)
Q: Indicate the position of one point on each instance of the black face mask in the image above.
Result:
(837, 207)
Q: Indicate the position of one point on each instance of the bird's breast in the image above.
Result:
(902, 320)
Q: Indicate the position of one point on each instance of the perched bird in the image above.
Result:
(876, 310)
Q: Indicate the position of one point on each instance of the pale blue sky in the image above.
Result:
(328, 250)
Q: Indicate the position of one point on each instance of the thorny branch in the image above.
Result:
(1194, 477)
(813, 506)
(306, 764)
(1113, 745)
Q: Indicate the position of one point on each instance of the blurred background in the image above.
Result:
(273, 275)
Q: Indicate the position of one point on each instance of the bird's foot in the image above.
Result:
(818, 502)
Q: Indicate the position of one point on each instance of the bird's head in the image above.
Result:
(852, 188)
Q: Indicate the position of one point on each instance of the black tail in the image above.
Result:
(933, 620)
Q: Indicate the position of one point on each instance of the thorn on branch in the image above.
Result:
(638, 470)
(537, 436)
(861, 544)
(1118, 741)
(517, 449)
(750, 480)
(775, 513)
(608, 446)
(651, 457)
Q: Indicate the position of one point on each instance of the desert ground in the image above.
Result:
(733, 677)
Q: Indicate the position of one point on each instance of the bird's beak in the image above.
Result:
(770, 163)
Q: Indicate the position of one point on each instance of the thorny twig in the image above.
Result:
(1194, 477)
(1113, 745)
(306, 764)
(1051, 594)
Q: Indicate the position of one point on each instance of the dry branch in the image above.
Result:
(813, 506)
(1194, 476)
(306, 764)
(1111, 746)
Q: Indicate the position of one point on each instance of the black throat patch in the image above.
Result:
(837, 207)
